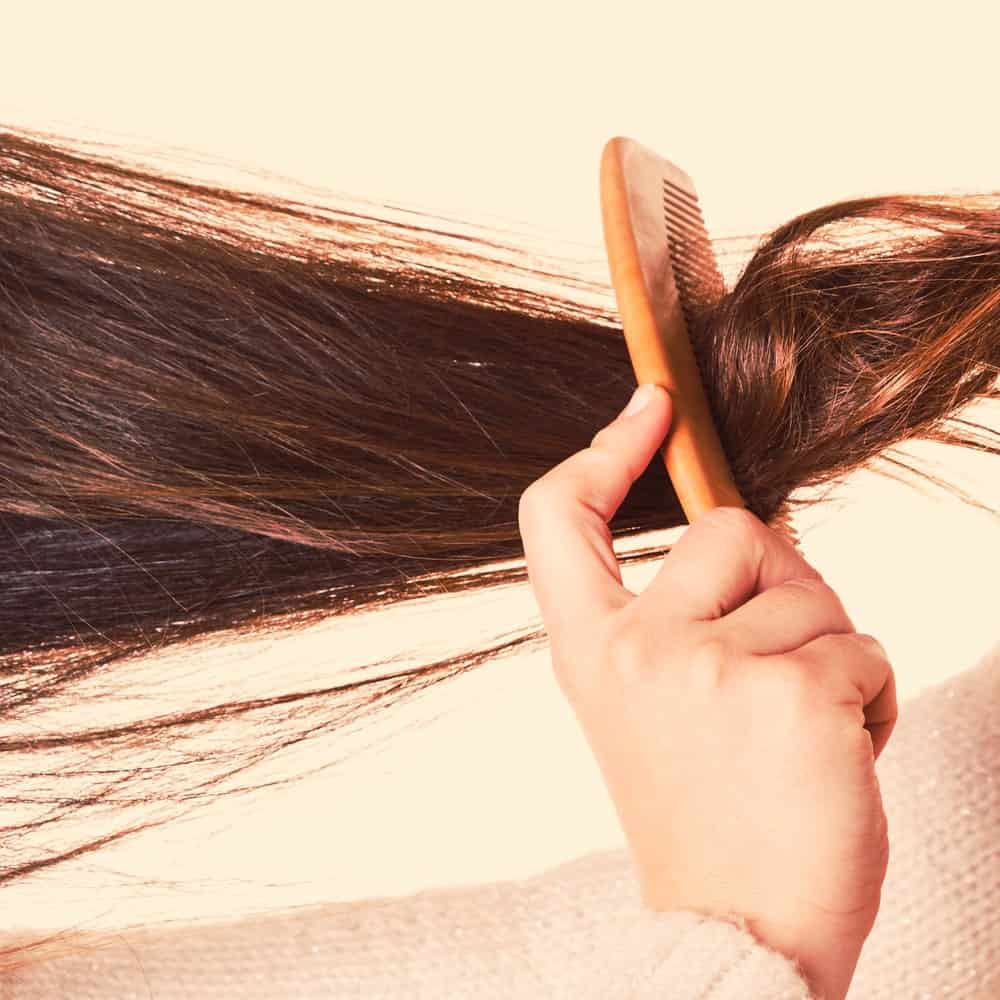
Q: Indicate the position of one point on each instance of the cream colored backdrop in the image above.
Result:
(497, 113)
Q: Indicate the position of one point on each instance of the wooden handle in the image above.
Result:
(657, 339)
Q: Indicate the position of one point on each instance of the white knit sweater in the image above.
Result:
(579, 930)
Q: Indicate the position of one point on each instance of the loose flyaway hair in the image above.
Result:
(224, 413)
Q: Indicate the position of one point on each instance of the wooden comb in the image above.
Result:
(662, 266)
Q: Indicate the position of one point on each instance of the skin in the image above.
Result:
(734, 711)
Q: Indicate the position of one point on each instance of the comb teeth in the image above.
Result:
(696, 275)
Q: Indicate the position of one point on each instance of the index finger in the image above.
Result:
(563, 519)
(722, 560)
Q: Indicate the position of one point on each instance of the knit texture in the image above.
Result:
(580, 931)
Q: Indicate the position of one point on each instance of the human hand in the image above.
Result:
(733, 709)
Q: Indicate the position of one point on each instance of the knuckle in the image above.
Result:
(607, 459)
(787, 683)
(530, 495)
(823, 594)
(711, 655)
(871, 643)
(624, 656)
(634, 657)
(535, 498)
(602, 436)
(738, 520)
(743, 527)
(709, 663)
(814, 585)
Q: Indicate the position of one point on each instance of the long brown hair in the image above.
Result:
(223, 413)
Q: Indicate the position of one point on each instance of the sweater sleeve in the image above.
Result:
(579, 930)
(575, 932)
(684, 955)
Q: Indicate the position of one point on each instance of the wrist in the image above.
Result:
(827, 963)
(825, 951)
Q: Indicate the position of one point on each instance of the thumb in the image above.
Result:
(564, 516)
(635, 436)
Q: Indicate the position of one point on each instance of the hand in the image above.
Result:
(734, 711)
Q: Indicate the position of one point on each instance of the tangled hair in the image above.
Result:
(224, 414)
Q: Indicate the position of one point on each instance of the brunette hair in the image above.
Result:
(225, 413)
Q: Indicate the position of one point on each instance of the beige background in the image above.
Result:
(498, 114)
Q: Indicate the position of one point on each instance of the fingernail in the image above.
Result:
(641, 398)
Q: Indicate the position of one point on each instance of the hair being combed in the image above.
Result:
(223, 413)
